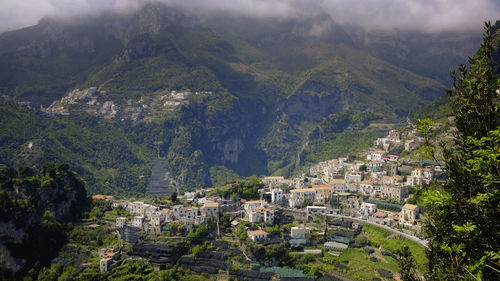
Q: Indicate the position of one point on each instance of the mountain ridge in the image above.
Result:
(267, 93)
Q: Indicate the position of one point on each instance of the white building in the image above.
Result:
(251, 205)
(376, 155)
(261, 215)
(367, 209)
(299, 232)
(121, 222)
(353, 177)
(277, 195)
(338, 185)
(297, 196)
(138, 221)
(257, 235)
(323, 193)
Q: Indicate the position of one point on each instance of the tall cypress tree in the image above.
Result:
(464, 218)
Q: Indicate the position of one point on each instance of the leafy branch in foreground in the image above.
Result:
(463, 223)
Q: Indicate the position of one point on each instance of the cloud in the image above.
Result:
(424, 15)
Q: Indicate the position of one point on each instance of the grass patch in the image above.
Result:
(378, 236)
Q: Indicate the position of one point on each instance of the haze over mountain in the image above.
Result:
(211, 93)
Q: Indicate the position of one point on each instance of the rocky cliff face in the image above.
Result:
(33, 209)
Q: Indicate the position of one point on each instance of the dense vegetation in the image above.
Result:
(33, 211)
(467, 209)
(97, 149)
(269, 114)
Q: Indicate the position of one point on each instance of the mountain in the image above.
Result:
(209, 95)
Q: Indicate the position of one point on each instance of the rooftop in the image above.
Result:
(337, 181)
(257, 232)
(211, 204)
(302, 190)
(410, 207)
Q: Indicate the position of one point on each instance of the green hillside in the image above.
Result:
(258, 92)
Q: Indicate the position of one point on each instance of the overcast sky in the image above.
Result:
(427, 15)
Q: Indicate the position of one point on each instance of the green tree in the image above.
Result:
(424, 127)
(463, 224)
(406, 264)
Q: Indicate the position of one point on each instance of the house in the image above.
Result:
(156, 218)
(185, 214)
(166, 215)
(393, 158)
(210, 209)
(316, 210)
(149, 227)
(338, 185)
(409, 214)
(353, 177)
(121, 222)
(297, 196)
(376, 155)
(419, 176)
(397, 193)
(108, 256)
(367, 209)
(394, 136)
(257, 235)
(261, 215)
(277, 195)
(251, 205)
(272, 182)
(299, 232)
(392, 180)
(323, 193)
(138, 221)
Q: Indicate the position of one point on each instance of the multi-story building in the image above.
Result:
(409, 214)
(261, 215)
(397, 193)
(138, 221)
(121, 222)
(251, 205)
(210, 209)
(297, 196)
(367, 209)
(277, 196)
(338, 185)
(323, 193)
(272, 182)
(353, 177)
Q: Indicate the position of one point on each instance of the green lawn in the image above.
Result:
(379, 236)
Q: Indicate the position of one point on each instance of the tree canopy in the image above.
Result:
(463, 223)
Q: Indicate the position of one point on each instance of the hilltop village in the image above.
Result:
(326, 210)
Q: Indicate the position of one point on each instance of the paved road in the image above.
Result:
(396, 231)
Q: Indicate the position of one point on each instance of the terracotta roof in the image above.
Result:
(380, 214)
(101, 197)
(211, 204)
(337, 181)
(257, 232)
(410, 207)
(323, 187)
(302, 190)
(274, 178)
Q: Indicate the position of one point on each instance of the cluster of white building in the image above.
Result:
(149, 218)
